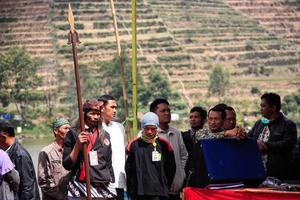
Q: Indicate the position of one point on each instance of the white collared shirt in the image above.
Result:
(117, 136)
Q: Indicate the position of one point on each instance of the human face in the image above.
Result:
(109, 111)
(92, 118)
(215, 121)
(230, 120)
(3, 139)
(150, 131)
(196, 121)
(266, 110)
(164, 113)
(61, 131)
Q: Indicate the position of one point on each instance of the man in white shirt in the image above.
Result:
(117, 135)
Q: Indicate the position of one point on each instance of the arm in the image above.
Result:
(183, 151)
(13, 179)
(45, 177)
(27, 176)
(288, 141)
(170, 166)
(72, 148)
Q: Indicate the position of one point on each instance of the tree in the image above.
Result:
(218, 81)
(18, 79)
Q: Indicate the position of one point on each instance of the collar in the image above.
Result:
(168, 131)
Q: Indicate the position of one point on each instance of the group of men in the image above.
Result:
(158, 161)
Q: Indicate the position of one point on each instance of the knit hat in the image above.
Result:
(90, 105)
(149, 118)
(59, 122)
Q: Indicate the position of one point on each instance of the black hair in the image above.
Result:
(221, 106)
(156, 102)
(200, 110)
(272, 99)
(105, 98)
(7, 129)
(218, 109)
(230, 108)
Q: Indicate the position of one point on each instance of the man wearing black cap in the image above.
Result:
(28, 189)
(53, 178)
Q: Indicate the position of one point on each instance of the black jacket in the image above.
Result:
(147, 177)
(101, 173)
(28, 189)
(283, 137)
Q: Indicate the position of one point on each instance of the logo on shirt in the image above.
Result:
(106, 142)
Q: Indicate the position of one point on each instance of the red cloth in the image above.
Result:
(92, 139)
(238, 194)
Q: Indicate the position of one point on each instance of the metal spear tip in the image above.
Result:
(71, 19)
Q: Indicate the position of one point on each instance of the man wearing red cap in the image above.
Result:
(99, 153)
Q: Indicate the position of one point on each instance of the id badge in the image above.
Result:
(93, 158)
(156, 156)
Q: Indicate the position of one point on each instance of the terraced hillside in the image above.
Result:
(213, 33)
(279, 17)
(26, 23)
(184, 38)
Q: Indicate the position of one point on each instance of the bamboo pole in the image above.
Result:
(74, 39)
(134, 67)
(122, 70)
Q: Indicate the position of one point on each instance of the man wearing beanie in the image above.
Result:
(53, 178)
(99, 154)
(150, 166)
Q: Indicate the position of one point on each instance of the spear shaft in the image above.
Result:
(73, 39)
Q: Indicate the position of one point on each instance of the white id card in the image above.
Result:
(156, 156)
(93, 158)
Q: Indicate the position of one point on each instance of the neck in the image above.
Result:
(106, 121)
(274, 116)
(163, 126)
(60, 142)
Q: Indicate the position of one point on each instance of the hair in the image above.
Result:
(200, 110)
(221, 106)
(7, 129)
(272, 99)
(230, 109)
(105, 98)
(156, 102)
(218, 109)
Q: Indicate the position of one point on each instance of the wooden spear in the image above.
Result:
(113, 12)
(74, 39)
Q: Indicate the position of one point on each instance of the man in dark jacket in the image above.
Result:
(28, 189)
(150, 166)
(197, 119)
(276, 136)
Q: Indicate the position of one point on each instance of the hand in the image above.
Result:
(236, 132)
(82, 138)
(241, 132)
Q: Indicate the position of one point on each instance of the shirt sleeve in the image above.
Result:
(27, 177)
(45, 177)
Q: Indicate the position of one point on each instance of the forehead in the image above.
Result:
(162, 106)
(65, 126)
(111, 103)
(195, 114)
(230, 113)
(150, 127)
(94, 112)
(215, 114)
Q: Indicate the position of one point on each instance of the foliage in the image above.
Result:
(18, 79)
(291, 106)
(218, 81)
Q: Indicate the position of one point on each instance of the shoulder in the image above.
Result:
(165, 143)
(174, 130)
(131, 143)
(47, 149)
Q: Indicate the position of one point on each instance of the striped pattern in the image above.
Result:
(78, 189)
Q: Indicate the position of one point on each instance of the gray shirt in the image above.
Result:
(53, 178)
(175, 138)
